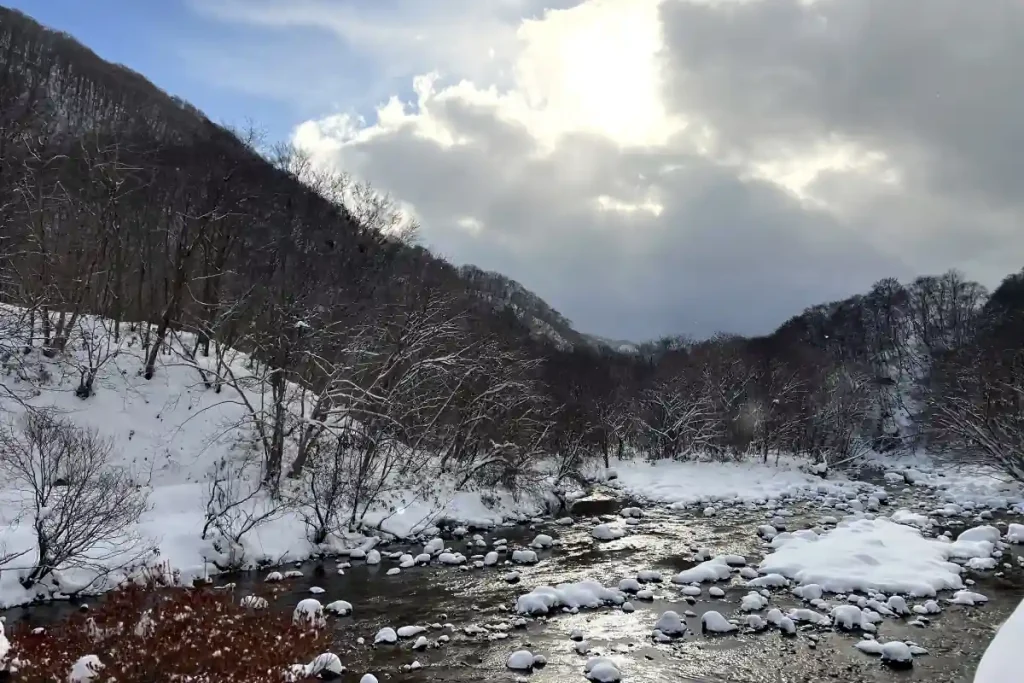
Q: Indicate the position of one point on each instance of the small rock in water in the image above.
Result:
(521, 660)
(714, 622)
(671, 624)
(385, 636)
(602, 670)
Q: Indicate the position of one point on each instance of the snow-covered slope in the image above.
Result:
(169, 433)
(1003, 661)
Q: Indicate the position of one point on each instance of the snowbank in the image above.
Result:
(867, 555)
(696, 482)
(1002, 661)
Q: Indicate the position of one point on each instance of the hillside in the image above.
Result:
(60, 98)
(191, 447)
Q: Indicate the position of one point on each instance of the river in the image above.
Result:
(663, 540)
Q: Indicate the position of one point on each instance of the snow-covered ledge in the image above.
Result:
(1002, 660)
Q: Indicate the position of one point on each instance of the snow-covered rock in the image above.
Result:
(602, 670)
(410, 631)
(339, 607)
(309, 613)
(86, 669)
(714, 622)
(385, 636)
(969, 598)
(753, 602)
(897, 653)
(452, 559)
(850, 617)
(581, 595)
(671, 624)
(629, 585)
(606, 532)
(715, 569)
(326, 665)
(542, 541)
(769, 581)
(524, 557)
(254, 602)
(520, 660)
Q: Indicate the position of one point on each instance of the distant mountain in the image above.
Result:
(544, 322)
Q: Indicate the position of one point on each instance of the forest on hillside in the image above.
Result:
(119, 201)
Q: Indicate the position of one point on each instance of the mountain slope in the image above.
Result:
(173, 434)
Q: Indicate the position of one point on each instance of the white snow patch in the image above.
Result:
(585, 594)
(1002, 660)
(868, 555)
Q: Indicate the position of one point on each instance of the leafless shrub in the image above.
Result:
(97, 346)
(83, 509)
(237, 502)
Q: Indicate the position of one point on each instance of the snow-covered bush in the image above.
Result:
(237, 501)
(82, 508)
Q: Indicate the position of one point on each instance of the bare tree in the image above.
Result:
(678, 419)
(83, 508)
(98, 343)
(977, 410)
(236, 504)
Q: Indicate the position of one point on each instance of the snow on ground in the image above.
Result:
(696, 482)
(872, 555)
(170, 432)
(964, 484)
(1003, 660)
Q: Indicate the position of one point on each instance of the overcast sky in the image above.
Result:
(648, 167)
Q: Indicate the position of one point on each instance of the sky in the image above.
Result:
(648, 167)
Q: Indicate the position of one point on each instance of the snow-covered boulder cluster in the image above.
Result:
(875, 555)
(568, 596)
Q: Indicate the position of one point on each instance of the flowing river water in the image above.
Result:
(663, 540)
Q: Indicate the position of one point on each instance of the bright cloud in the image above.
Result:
(675, 166)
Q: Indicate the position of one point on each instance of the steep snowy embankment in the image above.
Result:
(169, 432)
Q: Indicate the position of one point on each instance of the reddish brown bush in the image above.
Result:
(151, 635)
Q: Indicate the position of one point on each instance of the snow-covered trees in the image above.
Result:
(81, 507)
(977, 412)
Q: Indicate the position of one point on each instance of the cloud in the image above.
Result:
(673, 166)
